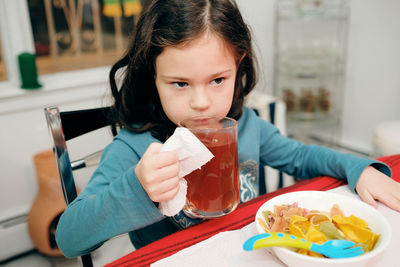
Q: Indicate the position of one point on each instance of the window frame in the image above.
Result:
(16, 36)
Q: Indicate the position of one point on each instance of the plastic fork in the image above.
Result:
(334, 248)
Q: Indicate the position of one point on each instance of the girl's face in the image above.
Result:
(197, 78)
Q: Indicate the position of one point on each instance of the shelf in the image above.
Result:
(306, 10)
(312, 117)
(309, 73)
(327, 127)
(298, 17)
(309, 66)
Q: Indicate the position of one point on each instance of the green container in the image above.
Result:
(28, 71)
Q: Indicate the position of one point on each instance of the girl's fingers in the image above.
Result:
(150, 167)
(163, 189)
(153, 148)
(392, 200)
(374, 185)
(168, 172)
(168, 185)
(163, 159)
(158, 173)
(387, 193)
(167, 195)
(368, 198)
(157, 176)
(160, 159)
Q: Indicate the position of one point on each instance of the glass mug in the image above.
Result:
(213, 190)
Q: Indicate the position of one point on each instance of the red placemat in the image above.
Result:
(242, 216)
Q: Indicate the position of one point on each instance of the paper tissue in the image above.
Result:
(192, 154)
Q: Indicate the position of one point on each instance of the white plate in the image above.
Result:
(323, 201)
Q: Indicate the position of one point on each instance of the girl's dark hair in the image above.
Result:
(164, 23)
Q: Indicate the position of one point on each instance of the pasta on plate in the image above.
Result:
(318, 226)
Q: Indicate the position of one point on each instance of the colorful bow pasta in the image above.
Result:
(318, 226)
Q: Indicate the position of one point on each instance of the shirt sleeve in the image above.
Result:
(112, 203)
(307, 161)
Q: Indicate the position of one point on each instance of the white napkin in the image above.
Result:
(192, 154)
(223, 250)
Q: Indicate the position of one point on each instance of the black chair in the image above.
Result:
(64, 126)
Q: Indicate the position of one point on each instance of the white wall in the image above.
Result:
(259, 16)
(372, 93)
(24, 133)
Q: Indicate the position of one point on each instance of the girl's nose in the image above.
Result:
(200, 99)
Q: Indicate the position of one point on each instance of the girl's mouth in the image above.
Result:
(200, 122)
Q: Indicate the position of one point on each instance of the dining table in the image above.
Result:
(218, 242)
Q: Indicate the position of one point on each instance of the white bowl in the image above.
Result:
(318, 200)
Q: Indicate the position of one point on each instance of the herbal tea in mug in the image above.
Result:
(213, 190)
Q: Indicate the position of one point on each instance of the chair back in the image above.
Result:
(272, 110)
(64, 126)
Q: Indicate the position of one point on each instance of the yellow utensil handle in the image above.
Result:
(282, 239)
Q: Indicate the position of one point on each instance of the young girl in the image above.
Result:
(188, 58)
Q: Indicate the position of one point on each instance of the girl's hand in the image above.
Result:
(374, 185)
(158, 173)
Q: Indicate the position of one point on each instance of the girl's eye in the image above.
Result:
(180, 84)
(218, 80)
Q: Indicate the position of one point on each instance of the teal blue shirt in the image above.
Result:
(114, 202)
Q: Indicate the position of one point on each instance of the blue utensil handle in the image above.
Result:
(274, 239)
